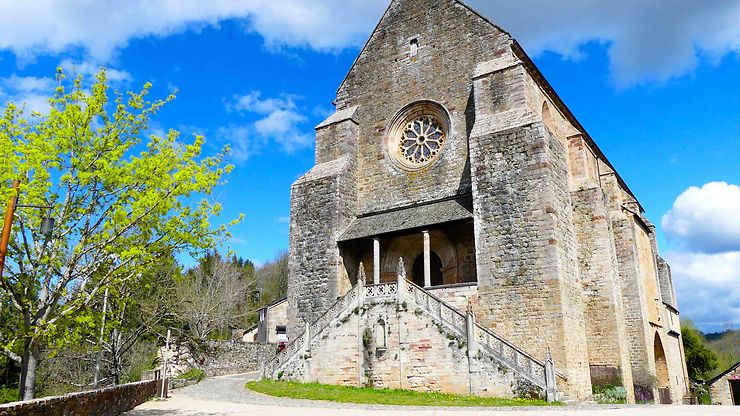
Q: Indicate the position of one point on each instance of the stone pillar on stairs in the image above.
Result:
(401, 282)
(473, 368)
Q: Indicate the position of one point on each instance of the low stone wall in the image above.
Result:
(224, 358)
(111, 401)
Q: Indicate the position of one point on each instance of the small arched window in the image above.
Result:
(547, 118)
(381, 339)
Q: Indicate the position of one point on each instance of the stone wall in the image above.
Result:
(452, 40)
(277, 315)
(458, 296)
(525, 243)
(387, 346)
(563, 257)
(236, 357)
(720, 390)
(111, 401)
(217, 357)
(322, 206)
(605, 327)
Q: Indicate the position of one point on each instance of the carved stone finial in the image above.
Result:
(361, 274)
(549, 354)
(401, 268)
(470, 305)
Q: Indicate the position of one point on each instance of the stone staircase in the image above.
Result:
(481, 340)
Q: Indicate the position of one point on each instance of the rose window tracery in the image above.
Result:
(421, 140)
(417, 135)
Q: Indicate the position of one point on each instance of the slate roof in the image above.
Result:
(415, 216)
(341, 115)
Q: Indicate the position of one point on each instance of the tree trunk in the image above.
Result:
(29, 363)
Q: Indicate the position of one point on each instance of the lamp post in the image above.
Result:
(47, 225)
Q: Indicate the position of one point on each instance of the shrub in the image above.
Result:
(8, 394)
(193, 374)
(610, 394)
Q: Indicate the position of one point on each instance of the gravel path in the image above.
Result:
(221, 396)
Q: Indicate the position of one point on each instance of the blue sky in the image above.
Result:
(656, 85)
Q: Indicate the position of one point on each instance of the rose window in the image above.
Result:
(418, 135)
(421, 140)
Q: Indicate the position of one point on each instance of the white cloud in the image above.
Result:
(102, 27)
(705, 219)
(649, 40)
(30, 92)
(34, 92)
(707, 288)
(279, 122)
(703, 228)
(88, 70)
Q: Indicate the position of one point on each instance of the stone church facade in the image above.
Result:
(527, 264)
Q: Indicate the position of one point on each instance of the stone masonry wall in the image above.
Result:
(322, 206)
(525, 243)
(452, 40)
(111, 401)
(666, 283)
(720, 389)
(673, 346)
(419, 354)
(236, 357)
(605, 327)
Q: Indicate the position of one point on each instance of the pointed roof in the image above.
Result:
(534, 71)
(385, 14)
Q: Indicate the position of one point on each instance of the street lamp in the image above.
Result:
(47, 225)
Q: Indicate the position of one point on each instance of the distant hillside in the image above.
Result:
(727, 345)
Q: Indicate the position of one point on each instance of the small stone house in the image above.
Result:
(271, 328)
(461, 231)
(725, 388)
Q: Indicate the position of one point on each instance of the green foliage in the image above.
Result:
(121, 200)
(193, 374)
(8, 394)
(367, 338)
(342, 394)
(700, 358)
(610, 394)
(271, 285)
(727, 346)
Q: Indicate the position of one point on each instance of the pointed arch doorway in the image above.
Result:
(661, 371)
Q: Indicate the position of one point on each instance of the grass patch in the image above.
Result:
(341, 394)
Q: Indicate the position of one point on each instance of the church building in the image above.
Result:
(462, 232)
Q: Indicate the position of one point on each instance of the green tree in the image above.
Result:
(700, 358)
(271, 284)
(119, 200)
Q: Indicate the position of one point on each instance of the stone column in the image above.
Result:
(551, 392)
(401, 281)
(474, 381)
(376, 261)
(360, 347)
(307, 339)
(427, 260)
(361, 286)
